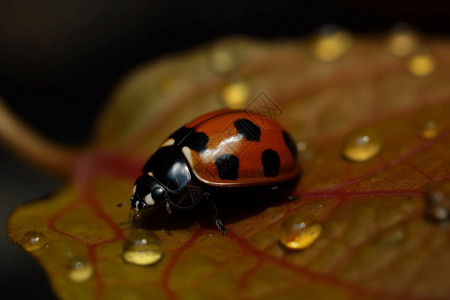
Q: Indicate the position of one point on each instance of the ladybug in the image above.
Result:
(220, 154)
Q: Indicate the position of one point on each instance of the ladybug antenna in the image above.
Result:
(122, 203)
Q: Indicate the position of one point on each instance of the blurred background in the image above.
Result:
(59, 61)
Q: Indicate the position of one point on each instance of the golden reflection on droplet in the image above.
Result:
(236, 94)
(437, 201)
(222, 61)
(421, 64)
(430, 130)
(298, 232)
(142, 248)
(33, 240)
(361, 145)
(402, 41)
(332, 43)
(80, 271)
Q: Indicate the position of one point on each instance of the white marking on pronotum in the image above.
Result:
(149, 200)
(169, 142)
(134, 189)
(187, 153)
(150, 174)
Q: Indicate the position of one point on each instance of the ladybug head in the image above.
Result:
(147, 193)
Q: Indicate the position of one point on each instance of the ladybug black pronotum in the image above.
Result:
(218, 154)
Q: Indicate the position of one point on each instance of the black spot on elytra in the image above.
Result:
(196, 141)
(181, 134)
(290, 144)
(227, 166)
(248, 129)
(271, 163)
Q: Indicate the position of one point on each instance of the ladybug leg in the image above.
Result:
(215, 213)
(168, 209)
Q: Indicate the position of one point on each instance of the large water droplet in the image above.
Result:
(430, 130)
(80, 271)
(236, 94)
(421, 64)
(403, 40)
(33, 240)
(437, 201)
(332, 43)
(142, 248)
(361, 144)
(298, 233)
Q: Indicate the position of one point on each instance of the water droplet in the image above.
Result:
(302, 146)
(226, 57)
(430, 130)
(437, 201)
(222, 60)
(403, 40)
(306, 150)
(236, 94)
(361, 144)
(299, 233)
(80, 271)
(332, 43)
(33, 240)
(142, 248)
(421, 64)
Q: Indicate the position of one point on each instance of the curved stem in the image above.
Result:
(30, 145)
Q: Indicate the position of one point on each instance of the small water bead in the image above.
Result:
(361, 144)
(403, 40)
(298, 233)
(430, 130)
(437, 201)
(332, 43)
(421, 64)
(142, 248)
(80, 271)
(236, 94)
(305, 150)
(33, 240)
(302, 146)
(222, 61)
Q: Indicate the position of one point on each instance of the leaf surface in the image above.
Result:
(375, 241)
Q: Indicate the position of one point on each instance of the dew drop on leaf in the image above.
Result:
(236, 94)
(142, 248)
(33, 240)
(421, 64)
(298, 232)
(361, 144)
(430, 130)
(332, 43)
(402, 41)
(222, 60)
(437, 201)
(80, 271)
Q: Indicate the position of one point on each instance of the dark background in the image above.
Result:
(60, 59)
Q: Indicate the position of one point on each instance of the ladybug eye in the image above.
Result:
(158, 193)
(149, 200)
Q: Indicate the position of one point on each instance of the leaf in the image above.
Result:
(375, 241)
